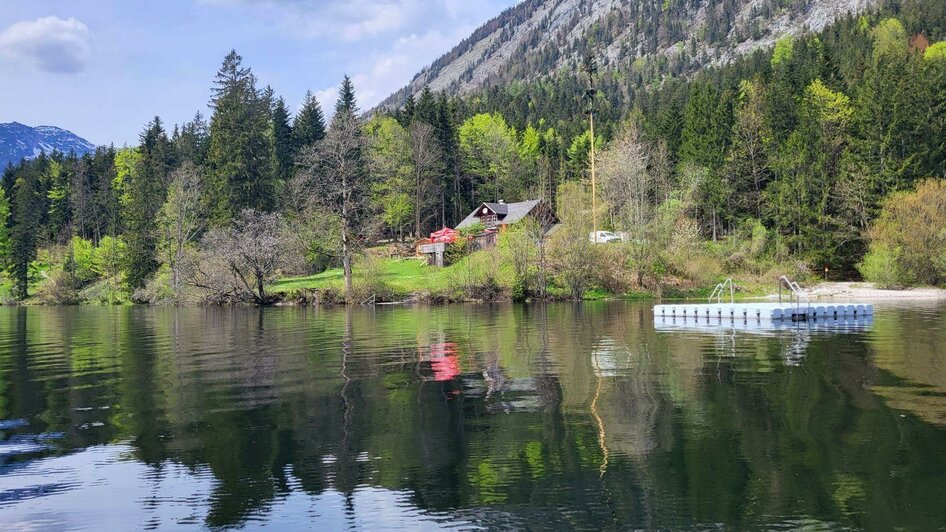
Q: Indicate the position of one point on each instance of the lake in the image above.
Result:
(466, 417)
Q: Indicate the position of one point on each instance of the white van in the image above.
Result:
(604, 237)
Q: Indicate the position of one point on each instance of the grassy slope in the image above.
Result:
(410, 276)
(404, 275)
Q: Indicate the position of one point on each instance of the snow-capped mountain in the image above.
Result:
(18, 141)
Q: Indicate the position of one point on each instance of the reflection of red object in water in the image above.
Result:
(446, 368)
(444, 361)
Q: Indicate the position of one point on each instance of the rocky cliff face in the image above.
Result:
(539, 37)
(18, 142)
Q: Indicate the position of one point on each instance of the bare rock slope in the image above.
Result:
(536, 38)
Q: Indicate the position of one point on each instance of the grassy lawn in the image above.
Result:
(405, 276)
(410, 276)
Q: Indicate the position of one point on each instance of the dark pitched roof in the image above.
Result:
(507, 213)
(501, 209)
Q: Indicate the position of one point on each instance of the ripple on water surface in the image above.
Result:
(467, 417)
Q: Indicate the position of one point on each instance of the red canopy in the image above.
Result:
(444, 236)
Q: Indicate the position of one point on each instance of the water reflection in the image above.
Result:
(505, 416)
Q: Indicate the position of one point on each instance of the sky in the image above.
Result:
(104, 68)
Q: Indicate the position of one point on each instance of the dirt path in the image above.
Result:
(867, 291)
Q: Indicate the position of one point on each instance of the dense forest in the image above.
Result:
(826, 152)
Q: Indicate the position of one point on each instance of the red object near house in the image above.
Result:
(444, 236)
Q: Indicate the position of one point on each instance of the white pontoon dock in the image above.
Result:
(798, 308)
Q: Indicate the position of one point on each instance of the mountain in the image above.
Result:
(650, 38)
(18, 141)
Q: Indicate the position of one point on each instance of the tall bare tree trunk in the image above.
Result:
(346, 265)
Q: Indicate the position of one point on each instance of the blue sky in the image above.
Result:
(104, 68)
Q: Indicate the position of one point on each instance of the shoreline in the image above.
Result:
(863, 291)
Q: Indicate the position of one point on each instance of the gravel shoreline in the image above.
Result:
(867, 291)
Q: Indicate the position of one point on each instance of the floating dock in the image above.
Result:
(764, 312)
(764, 327)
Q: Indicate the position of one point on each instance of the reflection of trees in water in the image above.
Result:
(275, 401)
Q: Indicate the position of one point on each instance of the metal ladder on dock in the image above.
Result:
(721, 289)
(797, 294)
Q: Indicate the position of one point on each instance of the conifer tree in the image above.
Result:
(309, 125)
(144, 195)
(406, 116)
(426, 107)
(446, 130)
(28, 200)
(5, 242)
(192, 141)
(282, 140)
(347, 103)
(240, 151)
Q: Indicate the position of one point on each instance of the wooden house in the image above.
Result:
(498, 216)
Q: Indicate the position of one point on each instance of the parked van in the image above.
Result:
(604, 237)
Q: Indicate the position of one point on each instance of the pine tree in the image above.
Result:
(282, 140)
(27, 201)
(240, 151)
(426, 107)
(406, 116)
(144, 195)
(309, 125)
(192, 141)
(446, 130)
(347, 103)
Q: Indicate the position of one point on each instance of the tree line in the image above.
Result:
(790, 153)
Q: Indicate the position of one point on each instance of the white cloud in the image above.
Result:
(326, 98)
(49, 44)
(357, 20)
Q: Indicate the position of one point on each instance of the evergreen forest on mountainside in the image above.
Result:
(825, 155)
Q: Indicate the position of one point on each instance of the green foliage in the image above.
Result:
(389, 152)
(518, 249)
(5, 242)
(309, 125)
(473, 229)
(890, 39)
(881, 266)
(936, 52)
(239, 158)
(83, 257)
(579, 155)
(456, 251)
(909, 237)
(109, 257)
(489, 152)
(282, 140)
(782, 53)
(143, 197)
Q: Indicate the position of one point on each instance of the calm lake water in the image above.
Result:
(467, 417)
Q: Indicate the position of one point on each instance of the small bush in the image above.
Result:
(370, 279)
(912, 223)
(328, 296)
(881, 267)
(456, 250)
(59, 289)
(158, 291)
(612, 274)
